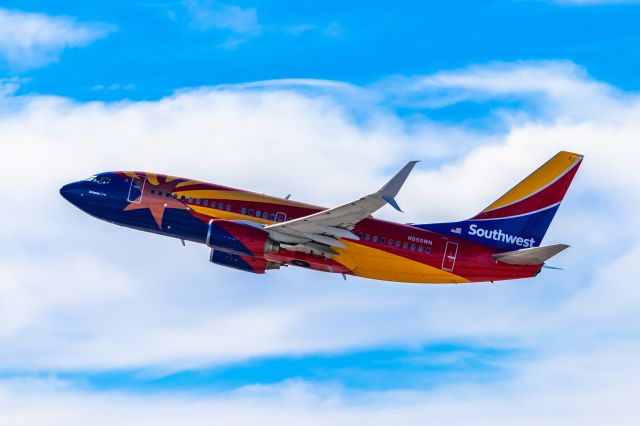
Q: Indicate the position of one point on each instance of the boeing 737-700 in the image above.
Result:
(255, 233)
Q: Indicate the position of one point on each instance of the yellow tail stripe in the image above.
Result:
(537, 180)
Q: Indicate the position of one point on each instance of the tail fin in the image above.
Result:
(521, 217)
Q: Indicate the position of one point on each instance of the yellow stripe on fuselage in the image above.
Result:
(382, 265)
(537, 180)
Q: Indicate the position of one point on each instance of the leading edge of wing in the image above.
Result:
(329, 225)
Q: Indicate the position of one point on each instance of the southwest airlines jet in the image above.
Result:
(254, 232)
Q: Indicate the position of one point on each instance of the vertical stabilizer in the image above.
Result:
(521, 217)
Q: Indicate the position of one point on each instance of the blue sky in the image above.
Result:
(300, 97)
(159, 46)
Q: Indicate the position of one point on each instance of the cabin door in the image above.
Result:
(450, 253)
(135, 191)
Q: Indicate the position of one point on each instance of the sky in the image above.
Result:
(103, 325)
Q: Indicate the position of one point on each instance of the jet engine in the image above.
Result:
(240, 238)
(256, 265)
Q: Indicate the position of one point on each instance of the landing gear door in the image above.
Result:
(450, 253)
(135, 191)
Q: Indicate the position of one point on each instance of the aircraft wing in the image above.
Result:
(326, 227)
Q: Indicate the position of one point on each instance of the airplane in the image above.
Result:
(255, 233)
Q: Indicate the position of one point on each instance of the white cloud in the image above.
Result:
(105, 297)
(30, 40)
(565, 389)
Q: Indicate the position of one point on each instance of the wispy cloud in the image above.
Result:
(555, 85)
(213, 15)
(332, 30)
(30, 40)
(243, 24)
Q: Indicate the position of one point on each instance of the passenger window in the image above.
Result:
(390, 242)
(251, 211)
(198, 201)
(191, 199)
(413, 246)
(206, 203)
(428, 250)
(221, 206)
(258, 213)
(382, 240)
(265, 215)
(183, 198)
(367, 237)
(375, 238)
(175, 196)
(153, 191)
(272, 217)
(159, 193)
(360, 235)
(228, 207)
(397, 243)
(168, 194)
(243, 210)
(405, 245)
(419, 249)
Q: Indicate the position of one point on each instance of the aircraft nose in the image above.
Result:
(71, 192)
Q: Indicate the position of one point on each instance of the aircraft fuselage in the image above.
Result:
(197, 211)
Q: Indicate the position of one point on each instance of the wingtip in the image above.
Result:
(392, 187)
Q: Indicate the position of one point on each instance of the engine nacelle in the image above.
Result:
(239, 239)
(243, 263)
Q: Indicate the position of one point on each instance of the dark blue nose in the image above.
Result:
(73, 192)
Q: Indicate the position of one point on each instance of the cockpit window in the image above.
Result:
(101, 180)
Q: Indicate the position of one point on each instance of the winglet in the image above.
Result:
(391, 188)
(392, 202)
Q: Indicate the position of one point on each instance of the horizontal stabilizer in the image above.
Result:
(530, 256)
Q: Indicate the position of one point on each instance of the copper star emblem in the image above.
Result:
(157, 204)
